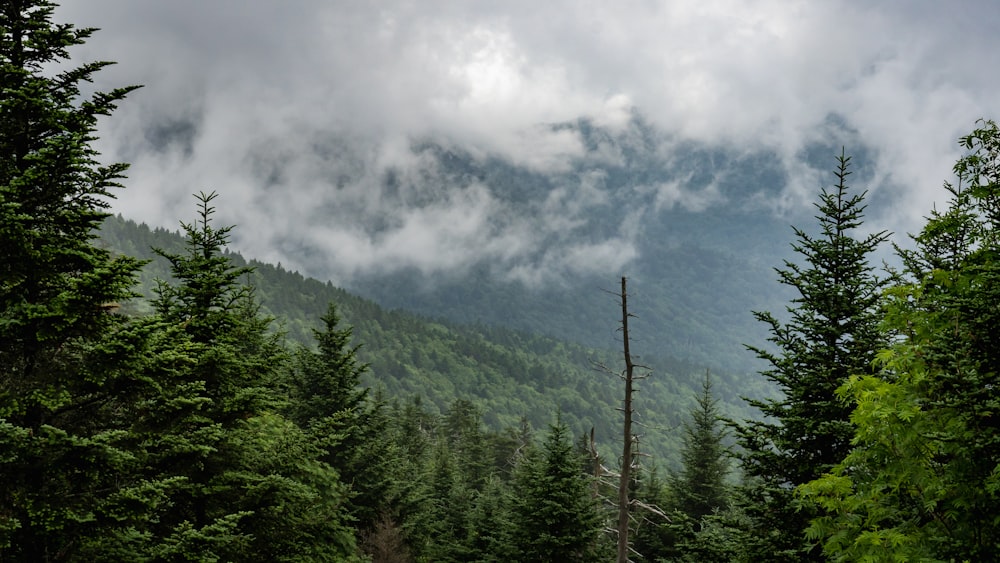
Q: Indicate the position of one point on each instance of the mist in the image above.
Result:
(336, 132)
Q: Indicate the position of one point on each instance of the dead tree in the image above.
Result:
(630, 453)
(628, 437)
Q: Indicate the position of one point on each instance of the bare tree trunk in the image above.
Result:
(626, 470)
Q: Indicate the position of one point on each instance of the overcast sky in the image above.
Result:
(293, 109)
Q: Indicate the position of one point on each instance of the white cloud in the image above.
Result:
(296, 111)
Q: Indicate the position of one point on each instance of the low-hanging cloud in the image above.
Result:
(328, 126)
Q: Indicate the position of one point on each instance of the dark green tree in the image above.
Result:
(328, 380)
(490, 524)
(447, 509)
(327, 399)
(249, 484)
(652, 536)
(694, 527)
(832, 333)
(555, 515)
(471, 446)
(700, 488)
(63, 380)
(923, 482)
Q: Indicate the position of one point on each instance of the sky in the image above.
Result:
(295, 111)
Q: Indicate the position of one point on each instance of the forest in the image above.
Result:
(182, 414)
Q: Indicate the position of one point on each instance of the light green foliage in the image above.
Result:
(921, 483)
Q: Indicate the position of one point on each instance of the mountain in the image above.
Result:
(698, 230)
(704, 226)
(508, 374)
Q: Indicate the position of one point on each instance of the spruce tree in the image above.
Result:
(249, 484)
(700, 488)
(555, 515)
(327, 399)
(62, 377)
(832, 333)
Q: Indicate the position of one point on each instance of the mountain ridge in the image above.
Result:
(508, 374)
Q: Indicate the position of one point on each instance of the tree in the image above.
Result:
(700, 488)
(923, 480)
(328, 380)
(554, 515)
(62, 380)
(249, 484)
(833, 333)
(490, 525)
(628, 438)
(327, 399)
(653, 539)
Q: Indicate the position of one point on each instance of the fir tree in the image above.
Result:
(833, 333)
(555, 516)
(63, 366)
(327, 399)
(700, 488)
(249, 484)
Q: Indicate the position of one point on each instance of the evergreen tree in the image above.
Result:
(490, 524)
(327, 399)
(447, 509)
(471, 446)
(328, 380)
(64, 374)
(249, 484)
(694, 529)
(555, 516)
(653, 539)
(922, 483)
(833, 333)
(700, 487)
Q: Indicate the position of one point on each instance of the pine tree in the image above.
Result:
(923, 482)
(833, 333)
(62, 382)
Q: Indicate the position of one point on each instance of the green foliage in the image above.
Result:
(325, 397)
(63, 454)
(689, 518)
(180, 428)
(833, 333)
(700, 487)
(555, 518)
(507, 375)
(921, 483)
(248, 484)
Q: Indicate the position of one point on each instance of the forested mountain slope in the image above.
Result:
(700, 220)
(508, 374)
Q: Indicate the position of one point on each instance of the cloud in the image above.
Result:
(312, 118)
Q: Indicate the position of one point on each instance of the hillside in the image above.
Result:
(702, 223)
(509, 374)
